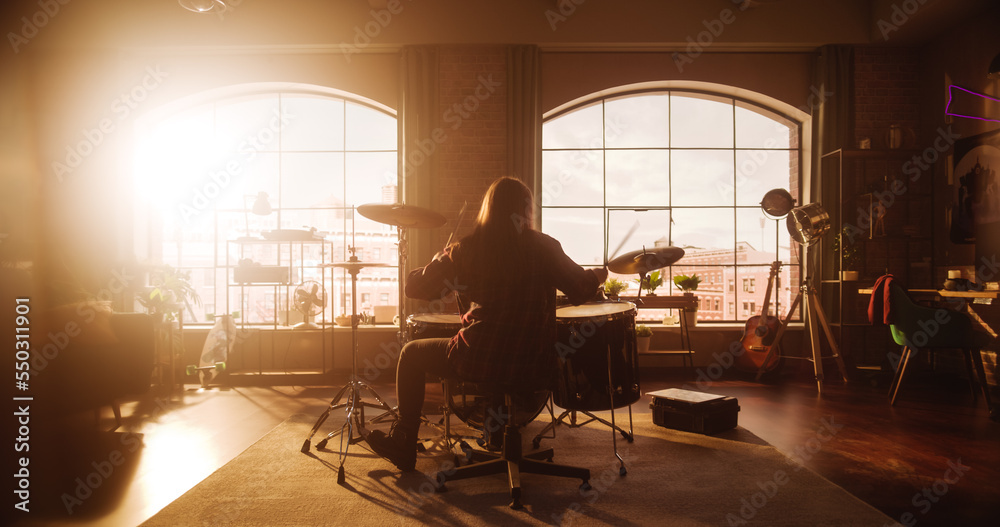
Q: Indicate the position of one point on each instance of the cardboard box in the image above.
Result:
(697, 412)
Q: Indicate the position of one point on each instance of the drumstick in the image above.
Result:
(631, 231)
(458, 223)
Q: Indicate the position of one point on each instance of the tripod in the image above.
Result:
(815, 319)
(354, 406)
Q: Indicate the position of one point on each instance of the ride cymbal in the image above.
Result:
(402, 215)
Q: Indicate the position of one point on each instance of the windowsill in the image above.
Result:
(701, 326)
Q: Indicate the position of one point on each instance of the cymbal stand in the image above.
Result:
(401, 251)
(354, 406)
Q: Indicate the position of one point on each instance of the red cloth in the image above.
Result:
(879, 307)
(509, 331)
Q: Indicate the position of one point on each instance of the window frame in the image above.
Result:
(149, 234)
(798, 148)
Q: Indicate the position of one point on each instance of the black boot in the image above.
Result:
(399, 447)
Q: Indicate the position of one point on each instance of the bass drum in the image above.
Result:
(472, 404)
(483, 410)
(590, 335)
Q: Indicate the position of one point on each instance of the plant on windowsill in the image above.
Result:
(643, 334)
(614, 287)
(687, 284)
(650, 282)
(850, 253)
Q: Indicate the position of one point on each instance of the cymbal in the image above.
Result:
(355, 265)
(402, 215)
(645, 260)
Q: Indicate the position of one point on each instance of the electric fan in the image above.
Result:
(309, 298)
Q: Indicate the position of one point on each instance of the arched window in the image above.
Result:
(204, 171)
(672, 167)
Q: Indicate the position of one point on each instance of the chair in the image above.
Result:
(918, 327)
(511, 460)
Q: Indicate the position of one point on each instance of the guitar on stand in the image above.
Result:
(760, 334)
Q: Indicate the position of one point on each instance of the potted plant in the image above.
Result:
(650, 282)
(688, 284)
(170, 292)
(849, 252)
(643, 334)
(614, 287)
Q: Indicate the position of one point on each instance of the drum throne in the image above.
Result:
(510, 459)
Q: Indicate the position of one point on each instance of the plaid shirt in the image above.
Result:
(509, 331)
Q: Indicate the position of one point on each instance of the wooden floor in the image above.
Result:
(933, 459)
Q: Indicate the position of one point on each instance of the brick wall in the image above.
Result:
(886, 92)
(473, 104)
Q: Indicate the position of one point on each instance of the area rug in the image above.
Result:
(673, 478)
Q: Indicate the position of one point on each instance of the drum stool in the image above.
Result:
(510, 460)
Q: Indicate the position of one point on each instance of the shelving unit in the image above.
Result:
(279, 265)
(884, 204)
(685, 304)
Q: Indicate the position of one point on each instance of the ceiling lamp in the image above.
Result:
(202, 6)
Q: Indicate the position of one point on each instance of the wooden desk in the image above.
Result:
(981, 305)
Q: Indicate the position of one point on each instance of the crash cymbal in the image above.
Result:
(645, 260)
(402, 215)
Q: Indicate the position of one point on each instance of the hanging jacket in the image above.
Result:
(879, 307)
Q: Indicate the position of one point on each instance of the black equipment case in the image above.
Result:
(698, 412)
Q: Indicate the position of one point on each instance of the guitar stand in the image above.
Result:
(815, 319)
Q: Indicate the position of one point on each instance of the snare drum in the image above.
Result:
(432, 325)
(598, 359)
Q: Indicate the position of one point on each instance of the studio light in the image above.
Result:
(777, 203)
(807, 224)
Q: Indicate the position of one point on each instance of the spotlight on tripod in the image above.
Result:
(806, 225)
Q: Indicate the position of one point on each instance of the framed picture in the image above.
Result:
(975, 206)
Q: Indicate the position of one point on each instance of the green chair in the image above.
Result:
(918, 327)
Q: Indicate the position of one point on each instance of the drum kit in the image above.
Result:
(598, 366)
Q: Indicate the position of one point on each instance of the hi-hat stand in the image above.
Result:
(354, 405)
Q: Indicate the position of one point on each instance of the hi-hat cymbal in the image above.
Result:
(355, 266)
(402, 215)
(645, 260)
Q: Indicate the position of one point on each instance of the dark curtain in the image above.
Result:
(418, 117)
(831, 103)
(524, 119)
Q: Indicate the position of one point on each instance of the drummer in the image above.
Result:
(509, 272)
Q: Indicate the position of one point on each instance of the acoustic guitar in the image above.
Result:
(759, 334)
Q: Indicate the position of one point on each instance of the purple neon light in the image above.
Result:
(973, 93)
